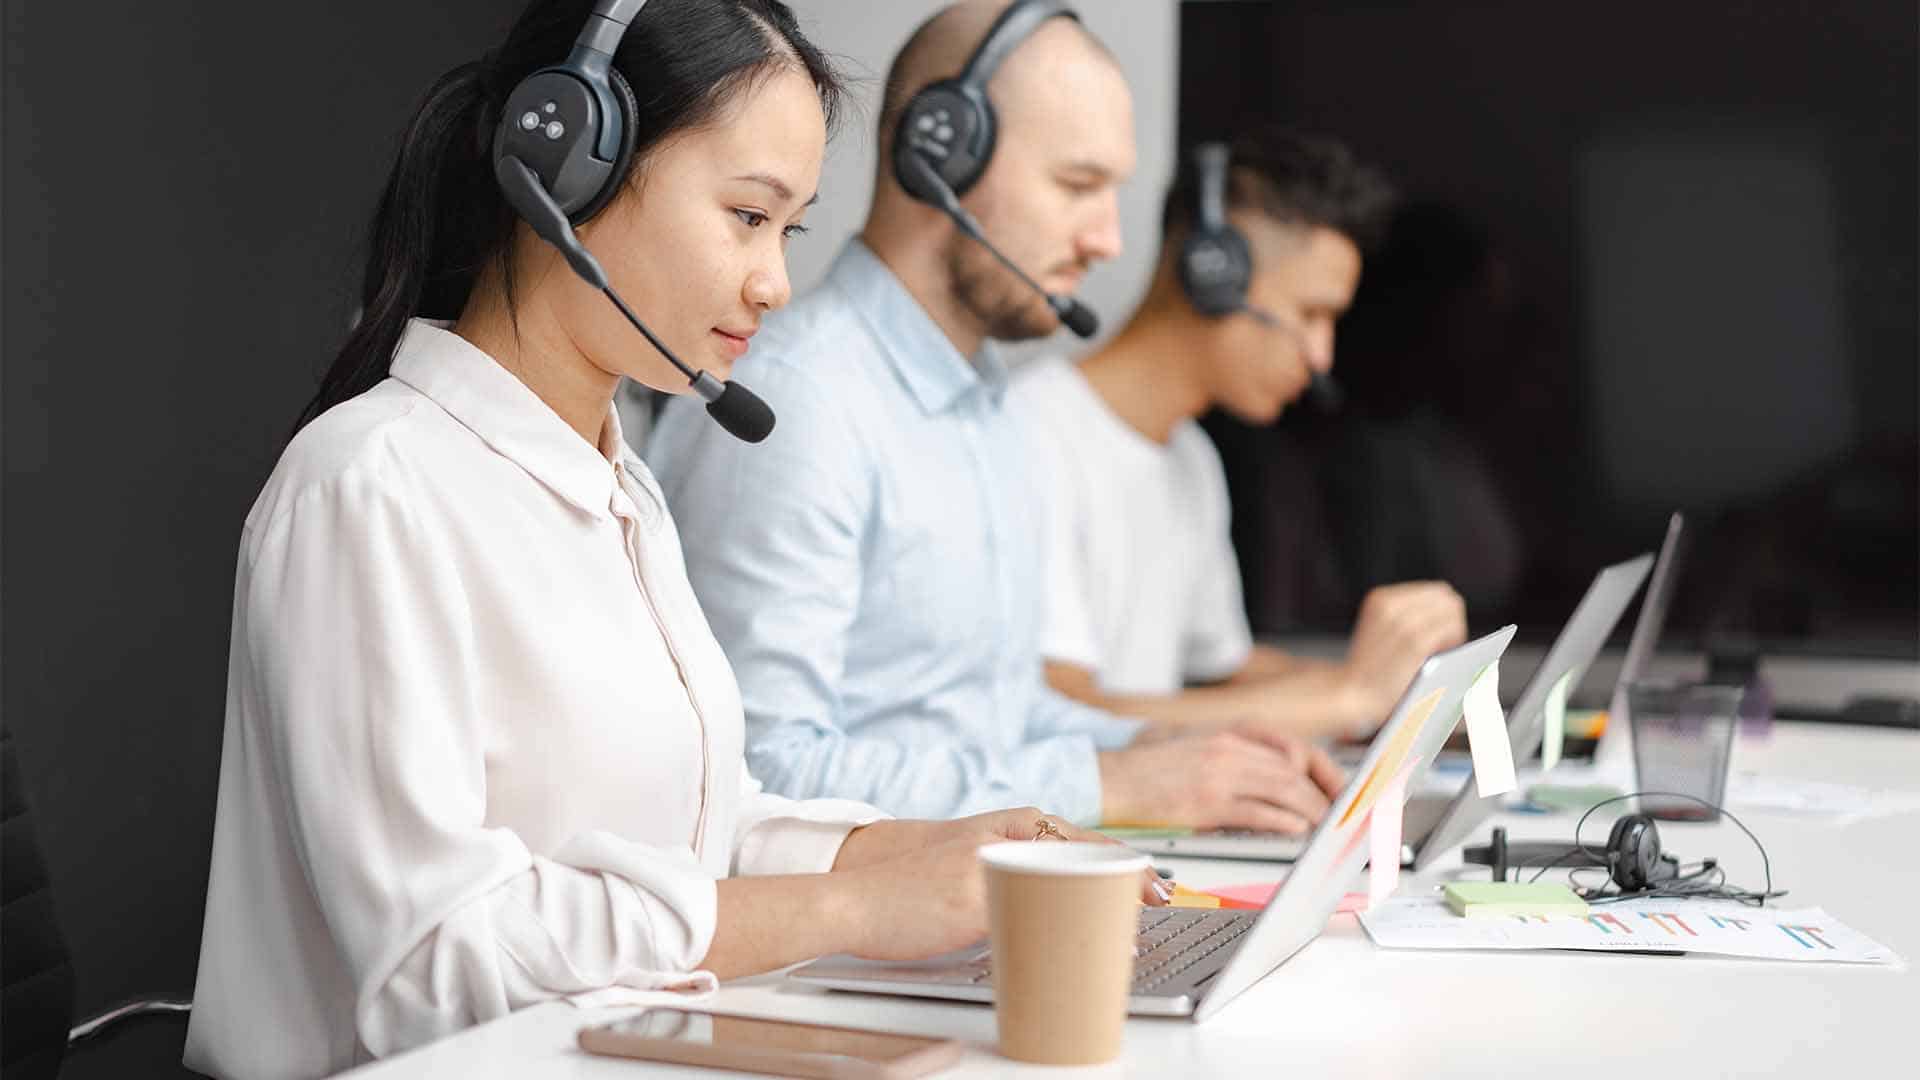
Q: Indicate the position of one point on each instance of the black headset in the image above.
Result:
(1216, 265)
(572, 123)
(560, 153)
(950, 124)
(1633, 857)
(946, 134)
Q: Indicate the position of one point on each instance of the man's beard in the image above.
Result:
(1004, 305)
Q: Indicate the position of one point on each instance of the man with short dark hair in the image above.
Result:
(1143, 594)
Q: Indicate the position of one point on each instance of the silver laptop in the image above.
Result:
(1434, 821)
(1192, 962)
(1573, 652)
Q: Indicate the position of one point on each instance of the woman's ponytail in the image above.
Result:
(436, 223)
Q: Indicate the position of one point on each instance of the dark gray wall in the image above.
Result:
(185, 189)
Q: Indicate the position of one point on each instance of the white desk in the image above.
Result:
(1342, 1007)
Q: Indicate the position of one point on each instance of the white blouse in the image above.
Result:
(481, 749)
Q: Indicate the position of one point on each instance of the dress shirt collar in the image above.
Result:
(920, 352)
(508, 416)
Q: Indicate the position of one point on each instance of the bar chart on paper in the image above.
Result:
(1695, 926)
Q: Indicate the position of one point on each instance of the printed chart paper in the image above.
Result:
(1721, 928)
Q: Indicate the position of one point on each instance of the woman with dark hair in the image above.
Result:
(481, 749)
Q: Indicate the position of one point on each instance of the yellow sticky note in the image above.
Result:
(1185, 897)
(1487, 734)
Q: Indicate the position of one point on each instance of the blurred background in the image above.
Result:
(1653, 260)
(1654, 257)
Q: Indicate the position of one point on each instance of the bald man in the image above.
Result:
(871, 569)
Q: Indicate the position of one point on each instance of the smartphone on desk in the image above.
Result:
(778, 1047)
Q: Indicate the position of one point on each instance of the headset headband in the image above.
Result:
(606, 26)
(592, 57)
(1012, 27)
(1210, 162)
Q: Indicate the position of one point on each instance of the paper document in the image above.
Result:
(1845, 803)
(1721, 928)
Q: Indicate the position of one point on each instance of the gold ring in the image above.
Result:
(1047, 828)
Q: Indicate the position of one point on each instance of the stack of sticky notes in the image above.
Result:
(1481, 898)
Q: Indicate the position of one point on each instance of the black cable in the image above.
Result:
(1678, 887)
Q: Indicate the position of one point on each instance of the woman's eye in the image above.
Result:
(753, 218)
(792, 231)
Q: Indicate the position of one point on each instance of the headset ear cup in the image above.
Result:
(1216, 269)
(623, 159)
(1633, 852)
(950, 129)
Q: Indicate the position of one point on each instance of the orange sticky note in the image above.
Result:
(1393, 756)
(1190, 898)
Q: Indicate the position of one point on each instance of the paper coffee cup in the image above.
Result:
(1063, 917)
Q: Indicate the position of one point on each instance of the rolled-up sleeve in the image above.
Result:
(354, 681)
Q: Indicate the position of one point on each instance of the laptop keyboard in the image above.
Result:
(1253, 834)
(1173, 940)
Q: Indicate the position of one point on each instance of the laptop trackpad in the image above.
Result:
(844, 966)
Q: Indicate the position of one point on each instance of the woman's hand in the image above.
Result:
(928, 894)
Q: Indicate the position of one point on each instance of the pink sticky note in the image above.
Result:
(1256, 896)
(1383, 854)
(1246, 896)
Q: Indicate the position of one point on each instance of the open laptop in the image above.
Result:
(1464, 812)
(1646, 637)
(1579, 642)
(1192, 961)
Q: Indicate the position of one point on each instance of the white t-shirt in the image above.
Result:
(1142, 585)
(481, 748)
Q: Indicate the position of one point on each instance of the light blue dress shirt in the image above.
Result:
(872, 570)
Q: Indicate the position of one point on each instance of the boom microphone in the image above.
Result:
(736, 408)
(1073, 314)
(1325, 394)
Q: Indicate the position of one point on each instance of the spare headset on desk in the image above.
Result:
(1635, 865)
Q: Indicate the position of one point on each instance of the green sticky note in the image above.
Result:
(1571, 798)
(1476, 899)
(1553, 733)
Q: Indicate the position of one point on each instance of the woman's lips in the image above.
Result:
(735, 344)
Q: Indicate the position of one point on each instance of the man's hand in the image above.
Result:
(1244, 779)
(1399, 626)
